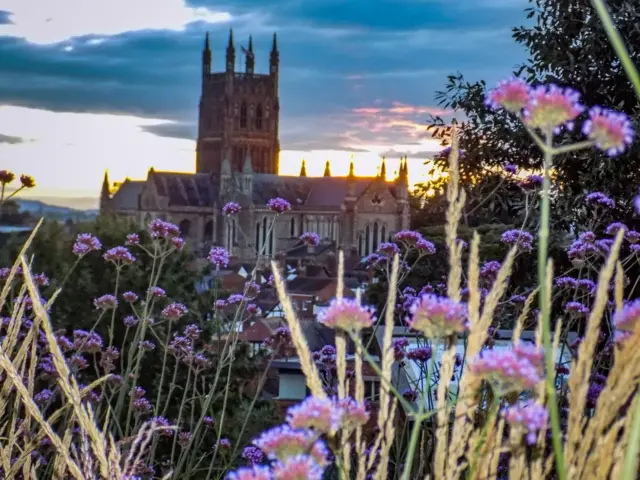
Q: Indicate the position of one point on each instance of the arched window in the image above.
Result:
(293, 228)
(383, 232)
(360, 245)
(375, 237)
(208, 231)
(259, 117)
(185, 226)
(230, 231)
(258, 234)
(367, 240)
(243, 115)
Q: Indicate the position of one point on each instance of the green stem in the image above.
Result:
(543, 246)
(630, 470)
(164, 364)
(618, 44)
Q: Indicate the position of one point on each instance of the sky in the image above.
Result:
(89, 85)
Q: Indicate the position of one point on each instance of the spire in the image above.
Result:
(327, 169)
(231, 53)
(248, 164)
(250, 60)
(274, 47)
(352, 173)
(405, 170)
(303, 169)
(105, 193)
(383, 169)
(206, 56)
(274, 58)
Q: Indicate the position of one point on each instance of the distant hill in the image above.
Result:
(39, 208)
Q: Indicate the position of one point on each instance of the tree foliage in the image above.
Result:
(567, 45)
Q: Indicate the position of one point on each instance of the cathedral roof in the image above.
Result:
(126, 197)
(185, 189)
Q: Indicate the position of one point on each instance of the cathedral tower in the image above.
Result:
(239, 112)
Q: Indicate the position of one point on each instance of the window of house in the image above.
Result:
(293, 227)
(255, 348)
(372, 390)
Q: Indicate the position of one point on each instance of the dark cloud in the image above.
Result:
(5, 18)
(336, 58)
(10, 139)
(188, 131)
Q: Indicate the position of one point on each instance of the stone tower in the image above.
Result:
(239, 113)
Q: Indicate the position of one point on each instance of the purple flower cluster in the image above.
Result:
(174, 311)
(84, 341)
(347, 315)
(119, 256)
(420, 354)
(611, 131)
(408, 236)
(278, 205)
(130, 297)
(511, 94)
(253, 454)
(438, 317)
(576, 308)
(231, 208)
(165, 230)
(490, 269)
(425, 247)
(509, 371)
(132, 239)
(511, 168)
(613, 228)
(529, 416)
(389, 249)
(599, 198)
(626, 320)
(310, 238)
(105, 302)
(255, 472)
(518, 237)
(219, 257)
(85, 243)
(531, 182)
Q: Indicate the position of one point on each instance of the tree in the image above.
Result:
(567, 45)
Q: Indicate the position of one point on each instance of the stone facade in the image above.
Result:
(237, 161)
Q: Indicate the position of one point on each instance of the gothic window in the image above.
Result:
(383, 232)
(258, 227)
(231, 233)
(293, 227)
(267, 112)
(243, 115)
(208, 231)
(185, 226)
(235, 110)
(375, 237)
(259, 117)
(360, 245)
(367, 240)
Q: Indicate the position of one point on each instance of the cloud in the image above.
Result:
(5, 18)
(187, 131)
(424, 154)
(10, 139)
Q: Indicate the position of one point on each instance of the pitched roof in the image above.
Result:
(128, 194)
(185, 189)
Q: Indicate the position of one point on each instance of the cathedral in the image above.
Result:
(237, 154)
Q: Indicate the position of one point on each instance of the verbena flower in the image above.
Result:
(511, 94)
(231, 208)
(347, 315)
(586, 284)
(518, 299)
(604, 245)
(490, 269)
(425, 246)
(518, 237)
(576, 308)
(438, 317)
(84, 341)
(310, 238)
(255, 472)
(147, 345)
(566, 282)
(41, 279)
(208, 421)
(532, 353)
(219, 257)
(85, 243)
(587, 237)
(551, 107)
(178, 243)
(253, 309)
(613, 228)
(408, 236)
(531, 182)
(627, 318)
(446, 152)
(142, 405)
(159, 229)
(320, 414)
(119, 256)
(420, 354)
(506, 371)
(278, 205)
(132, 239)
(281, 442)
(130, 297)
(174, 311)
(632, 236)
(612, 131)
(235, 298)
(599, 198)
(251, 290)
(253, 454)
(184, 438)
(105, 302)
(529, 416)
(300, 467)
(130, 321)
(192, 332)
(220, 304)
(27, 181)
(6, 177)
(157, 292)
(354, 414)
(389, 249)
(224, 443)
(510, 168)
(43, 396)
